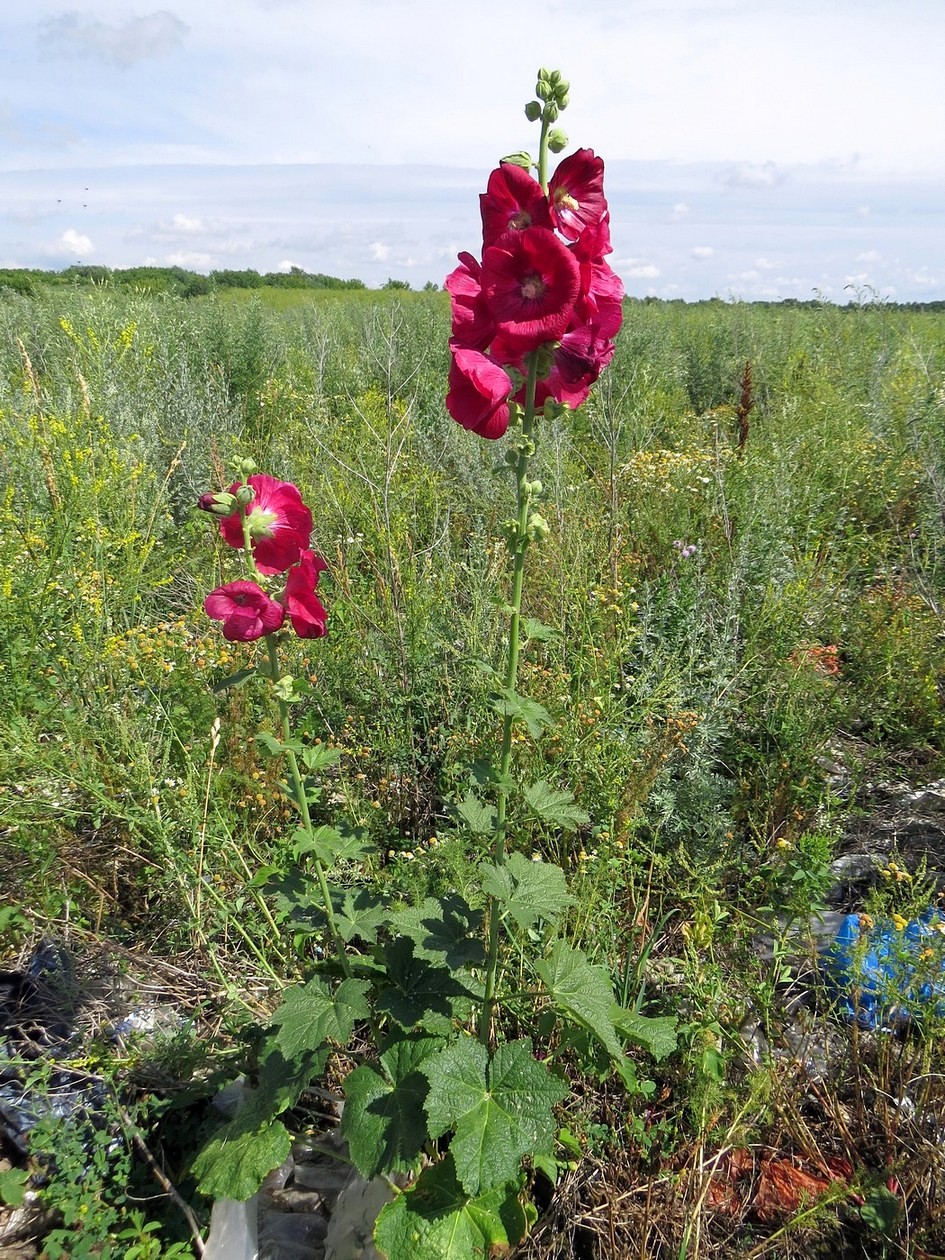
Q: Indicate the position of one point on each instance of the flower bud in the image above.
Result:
(557, 140)
(222, 504)
(562, 99)
(245, 496)
(247, 467)
(521, 158)
(551, 111)
(533, 111)
(533, 489)
(538, 528)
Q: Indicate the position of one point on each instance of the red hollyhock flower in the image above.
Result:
(279, 524)
(575, 365)
(306, 611)
(479, 390)
(576, 193)
(530, 282)
(513, 201)
(245, 609)
(472, 324)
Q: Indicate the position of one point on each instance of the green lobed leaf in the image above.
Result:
(383, 1118)
(657, 1034)
(529, 890)
(537, 630)
(329, 845)
(277, 746)
(444, 929)
(239, 679)
(417, 994)
(319, 756)
(236, 1159)
(311, 1014)
(501, 1110)
(522, 709)
(478, 816)
(555, 806)
(360, 914)
(437, 1220)
(234, 1164)
(582, 991)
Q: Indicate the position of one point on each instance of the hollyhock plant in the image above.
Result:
(306, 611)
(277, 523)
(246, 611)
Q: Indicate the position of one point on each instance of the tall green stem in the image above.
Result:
(520, 546)
(301, 800)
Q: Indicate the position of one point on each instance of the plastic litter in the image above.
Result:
(883, 974)
(37, 1007)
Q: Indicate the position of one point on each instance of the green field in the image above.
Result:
(742, 585)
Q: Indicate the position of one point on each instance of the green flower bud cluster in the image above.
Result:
(552, 93)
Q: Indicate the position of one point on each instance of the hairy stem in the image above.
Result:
(519, 548)
(301, 800)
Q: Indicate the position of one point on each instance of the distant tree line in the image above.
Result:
(182, 283)
(173, 280)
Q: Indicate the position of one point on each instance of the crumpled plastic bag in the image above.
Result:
(884, 974)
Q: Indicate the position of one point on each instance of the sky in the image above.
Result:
(754, 149)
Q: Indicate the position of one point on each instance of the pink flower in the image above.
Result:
(472, 324)
(530, 282)
(280, 524)
(513, 201)
(245, 609)
(479, 390)
(306, 611)
(576, 193)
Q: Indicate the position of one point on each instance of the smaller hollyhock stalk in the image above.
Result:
(280, 533)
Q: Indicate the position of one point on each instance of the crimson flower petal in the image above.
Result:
(576, 193)
(472, 324)
(479, 390)
(306, 611)
(245, 609)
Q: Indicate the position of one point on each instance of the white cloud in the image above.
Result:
(870, 256)
(680, 211)
(752, 175)
(72, 245)
(122, 44)
(765, 264)
(643, 271)
(702, 251)
(380, 252)
(192, 260)
(183, 223)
